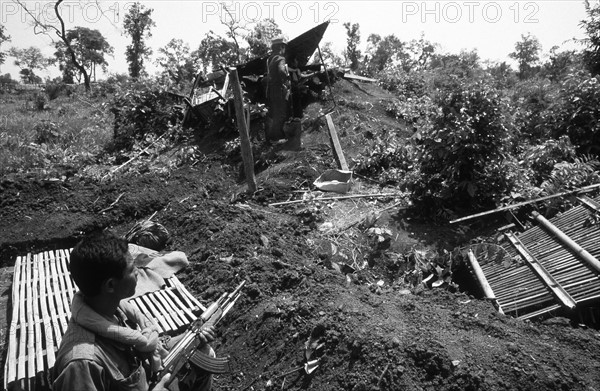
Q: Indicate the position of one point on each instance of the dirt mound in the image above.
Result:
(369, 331)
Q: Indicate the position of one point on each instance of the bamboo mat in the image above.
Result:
(517, 288)
(42, 292)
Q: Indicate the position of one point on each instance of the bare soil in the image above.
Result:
(378, 332)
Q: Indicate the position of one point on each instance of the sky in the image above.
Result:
(490, 27)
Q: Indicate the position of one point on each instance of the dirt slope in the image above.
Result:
(375, 336)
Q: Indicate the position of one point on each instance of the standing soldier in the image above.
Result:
(278, 90)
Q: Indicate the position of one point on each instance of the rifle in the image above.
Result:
(185, 349)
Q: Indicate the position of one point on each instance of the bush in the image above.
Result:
(388, 159)
(462, 157)
(416, 112)
(140, 109)
(542, 158)
(404, 84)
(533, 101)
(577, 112)
(572, 175)
(46, 132)
(54, 90)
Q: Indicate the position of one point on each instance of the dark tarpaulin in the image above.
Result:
(302, 47)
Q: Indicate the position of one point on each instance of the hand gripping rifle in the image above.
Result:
(185, 349)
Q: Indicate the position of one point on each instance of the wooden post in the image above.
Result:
(243, 129)
(338, 153)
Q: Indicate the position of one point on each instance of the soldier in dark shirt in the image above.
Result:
(278, 90)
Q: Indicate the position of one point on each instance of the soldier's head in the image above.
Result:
(101, 263)
(278, 45)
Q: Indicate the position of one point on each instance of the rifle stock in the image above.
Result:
(185, 348)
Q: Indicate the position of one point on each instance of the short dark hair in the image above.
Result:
(96, 258)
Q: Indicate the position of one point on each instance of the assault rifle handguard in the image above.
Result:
(186, 348)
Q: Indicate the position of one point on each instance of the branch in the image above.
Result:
(113, 204)
(339, 198)
(37, 22)
(135, 157)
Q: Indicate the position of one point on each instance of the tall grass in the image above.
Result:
(69, 132)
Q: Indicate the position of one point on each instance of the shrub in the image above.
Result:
(577, 112)
(416, 112)
(404, 84)
(462, 157)
(46, 132)
(533, 107)
(542, 158)
(39, 101)
(140, 109)
(54, 90)
(581, 172)
(387, 159)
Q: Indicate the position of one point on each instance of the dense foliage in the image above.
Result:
(486, 135)
(141, 109)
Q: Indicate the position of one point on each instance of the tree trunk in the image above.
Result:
(63, 35)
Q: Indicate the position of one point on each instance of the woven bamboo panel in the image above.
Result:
(41, 300)
(518, 289)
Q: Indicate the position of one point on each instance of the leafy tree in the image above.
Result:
(352, 52)
(560, 63)
(259, 39)
(527, 54)
(420, 52)
(29, 60)
(3, 38)
(70, 73)
(576, 112)
(233, 27)
(39, 22)
(177, 63)
(502, 74)
(214, 51)
(137, 23)
(382, 52)
(89, 46)
(591, 26)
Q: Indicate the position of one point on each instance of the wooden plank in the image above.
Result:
(30, 320)
(44, 295)
(350, 76)
(155, 312)
(148, 313)
(39, 348)
(11, 362)
(194, 304)
(162, 310)
(58, 291)
(546, 278)
(52, 308)
(169, 306)
(245, 145)
(180, 304)
(338, 153)
(225, 85)
(64, 262)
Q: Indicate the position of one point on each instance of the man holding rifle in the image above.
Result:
(109, 345)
